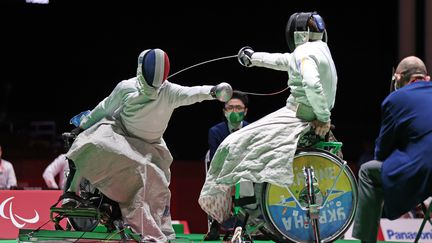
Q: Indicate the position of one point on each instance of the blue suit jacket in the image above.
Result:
(405, 147)
(217, 134)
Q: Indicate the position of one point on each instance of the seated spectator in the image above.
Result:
(7, 173)
(234, 112)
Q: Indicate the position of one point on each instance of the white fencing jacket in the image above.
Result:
(312, 75)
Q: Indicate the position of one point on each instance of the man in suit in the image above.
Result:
(401, 173)
(234, 111)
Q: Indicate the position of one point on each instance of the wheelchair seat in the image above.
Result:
(86, 208)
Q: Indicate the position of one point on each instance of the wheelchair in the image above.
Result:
(90, 207)
(318, 207)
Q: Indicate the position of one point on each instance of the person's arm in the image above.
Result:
(385, 143)
(12, 181)
(276, 61)
(313, 88)
(107, 106)
(184, 95)
(213, 142)
(314, 92)
(54, 168)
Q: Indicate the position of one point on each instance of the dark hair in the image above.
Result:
(241, 96)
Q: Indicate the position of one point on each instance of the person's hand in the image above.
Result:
(321, 128)
(222, 92)
(76, 131)
(244, 56)
(51, 184)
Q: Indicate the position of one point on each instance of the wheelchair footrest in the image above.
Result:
(244, 201)
(76, 212)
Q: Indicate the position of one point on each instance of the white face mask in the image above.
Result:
(301, 37)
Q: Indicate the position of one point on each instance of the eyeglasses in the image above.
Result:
(405, 77)
(394, 84)
(234, 107)
(395, 80)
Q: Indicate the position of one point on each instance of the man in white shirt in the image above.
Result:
(7, 173)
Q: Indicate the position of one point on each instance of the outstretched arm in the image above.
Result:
(277, 61)
(184, 95)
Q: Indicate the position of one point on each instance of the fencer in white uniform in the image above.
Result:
(264, 150)
(122, 151)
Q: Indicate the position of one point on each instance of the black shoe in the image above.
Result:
(213, 234)
(260, 236)
(231, 223)
(70, 203)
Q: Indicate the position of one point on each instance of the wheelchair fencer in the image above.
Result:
(318, 207)
(88, 207)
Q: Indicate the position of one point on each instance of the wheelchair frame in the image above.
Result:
(90, 215)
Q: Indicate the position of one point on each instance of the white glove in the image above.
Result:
(244, 56)
(222, 92)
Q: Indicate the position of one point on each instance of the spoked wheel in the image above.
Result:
(285, 210)
(312, 202)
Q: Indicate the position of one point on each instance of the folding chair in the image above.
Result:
(427, 212)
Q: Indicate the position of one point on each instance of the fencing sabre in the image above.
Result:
(222, 58)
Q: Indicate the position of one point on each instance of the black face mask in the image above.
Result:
(299, 22)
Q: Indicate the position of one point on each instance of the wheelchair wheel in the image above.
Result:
(336, 192)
